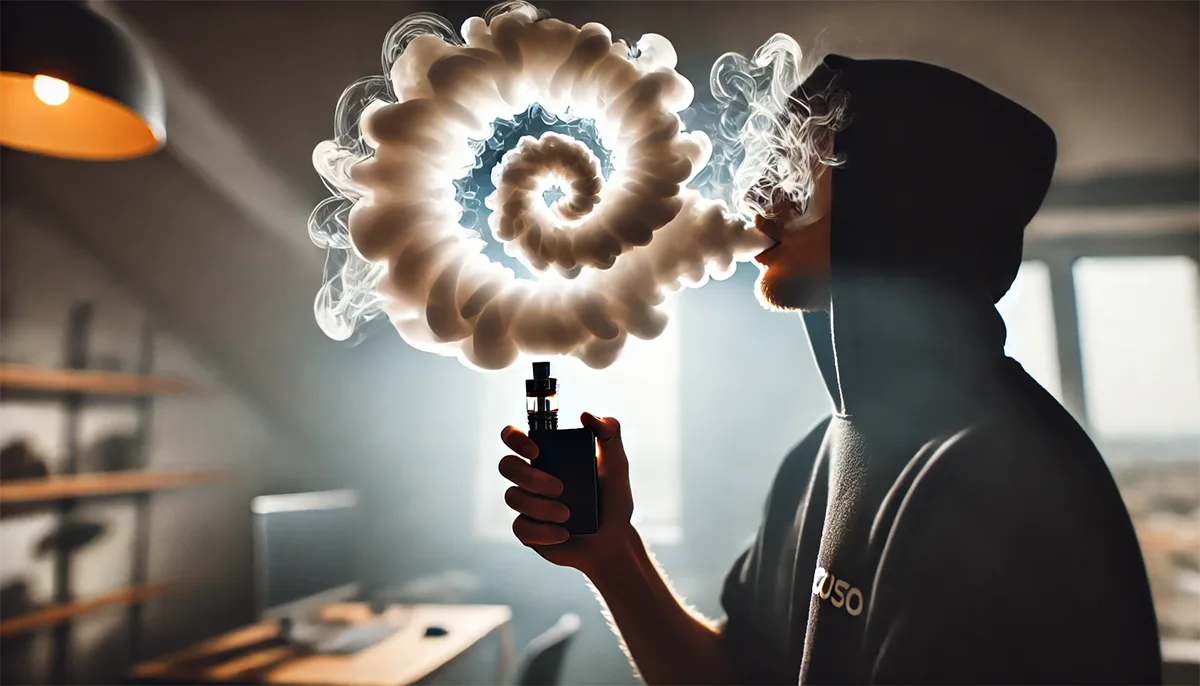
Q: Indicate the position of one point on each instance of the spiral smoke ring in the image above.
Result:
(605, 255)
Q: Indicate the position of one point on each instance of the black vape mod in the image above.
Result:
(567, 454)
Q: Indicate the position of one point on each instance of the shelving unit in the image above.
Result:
(57, 614)
(75, 387)
(25, 378)
(101, 484)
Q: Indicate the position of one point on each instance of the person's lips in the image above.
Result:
(772, 229)
(766, 256)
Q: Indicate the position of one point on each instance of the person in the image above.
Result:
(949, 522)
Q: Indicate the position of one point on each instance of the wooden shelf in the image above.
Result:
(101, 484)
(57, 614)
(21, 377)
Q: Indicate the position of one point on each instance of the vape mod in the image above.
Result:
(567, 454)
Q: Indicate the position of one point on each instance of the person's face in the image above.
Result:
(794, 273)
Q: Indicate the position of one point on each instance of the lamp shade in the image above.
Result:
(74, 85)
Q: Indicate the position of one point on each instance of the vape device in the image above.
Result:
(567, 454)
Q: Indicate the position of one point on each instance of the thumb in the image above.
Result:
(608, 435)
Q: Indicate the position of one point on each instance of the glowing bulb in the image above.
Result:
(50, 90)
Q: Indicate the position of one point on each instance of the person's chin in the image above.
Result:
(782, 292)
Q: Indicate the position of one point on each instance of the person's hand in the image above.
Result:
(539, 522)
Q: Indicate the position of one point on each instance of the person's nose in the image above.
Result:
(769, 227)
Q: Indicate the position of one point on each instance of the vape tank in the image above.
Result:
(567, 454)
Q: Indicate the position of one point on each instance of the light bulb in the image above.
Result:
(50, 90)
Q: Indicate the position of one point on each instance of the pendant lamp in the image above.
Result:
(74, 85)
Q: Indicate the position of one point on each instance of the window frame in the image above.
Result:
(1059, 255)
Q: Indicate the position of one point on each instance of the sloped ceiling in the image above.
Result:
(1118, 81)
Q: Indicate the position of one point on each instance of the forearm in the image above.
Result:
(668, 642)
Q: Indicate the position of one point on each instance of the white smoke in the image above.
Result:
(762, 136)
(605, 256)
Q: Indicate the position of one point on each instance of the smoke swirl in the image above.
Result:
(625, 232)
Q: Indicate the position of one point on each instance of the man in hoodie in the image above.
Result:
(949, 522)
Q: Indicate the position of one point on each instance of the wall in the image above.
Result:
(748, 390)
(201, 533)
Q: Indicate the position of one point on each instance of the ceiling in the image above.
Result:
(1118, 80)
(211, 231)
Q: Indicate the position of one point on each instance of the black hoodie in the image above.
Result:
(950, 522)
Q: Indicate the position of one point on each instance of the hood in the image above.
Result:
(940, 176)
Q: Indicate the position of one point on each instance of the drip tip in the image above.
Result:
(541, 383)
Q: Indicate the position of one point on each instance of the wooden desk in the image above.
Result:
(406, 657)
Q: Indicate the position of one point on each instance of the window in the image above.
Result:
(1029, 317)
(1139, 331)
(641, 389)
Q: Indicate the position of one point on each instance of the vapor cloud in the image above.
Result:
(605, 255)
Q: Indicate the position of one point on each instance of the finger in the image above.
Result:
(530, 532)
(521, 444)
(612, 450)
(529, 477)
(536, 507)
(606, 428)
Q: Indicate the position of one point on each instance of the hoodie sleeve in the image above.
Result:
(971, 589)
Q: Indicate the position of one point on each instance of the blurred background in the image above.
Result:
(184, 281)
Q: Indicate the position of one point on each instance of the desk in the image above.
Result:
(406, 657)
